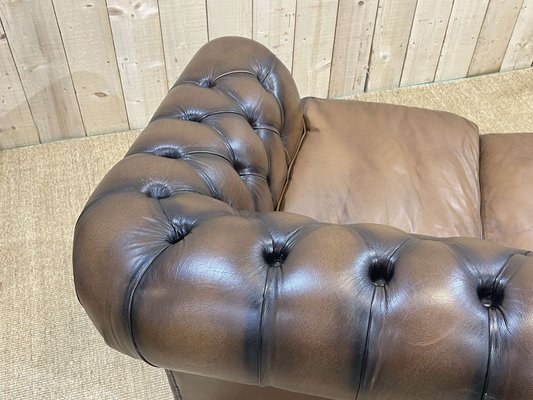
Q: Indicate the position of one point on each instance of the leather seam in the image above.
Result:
(262, 81)
(225, 140)
(125, 190)
(365, 348)
(136, 280)
(173, 385)
(290, 166)
(260, 336)
(484, 393)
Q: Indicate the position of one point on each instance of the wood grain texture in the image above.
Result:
(184, 31)
(16, 123)
(461, 38)
(229, 18)
(313, 46)
(393, 27)
(139, 50)
(75, 67)
(425, 43)
(353, 41)
(519, 53)
(38, 52)
(273, 24)
(494, 37)
(90, 52)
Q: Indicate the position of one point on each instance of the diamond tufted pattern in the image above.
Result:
(181, 260)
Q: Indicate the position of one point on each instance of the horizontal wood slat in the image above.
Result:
(16, 123)
(37, 48)
(90, 52)
(70, 68)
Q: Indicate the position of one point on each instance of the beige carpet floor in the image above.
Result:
(48, 347)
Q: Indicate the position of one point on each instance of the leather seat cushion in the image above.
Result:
(507, 188)
(410, 168)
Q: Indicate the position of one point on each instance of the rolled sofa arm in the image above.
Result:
(181, 260)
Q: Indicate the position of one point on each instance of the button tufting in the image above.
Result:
(206, 83)
(380, 271)
(168, 152)
(275, 258)
(157, 191)
(490, 294)
(193, 118)
(174, 237)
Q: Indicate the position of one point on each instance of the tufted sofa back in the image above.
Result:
(179, 261)
(229, 128)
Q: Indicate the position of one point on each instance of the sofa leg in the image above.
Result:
(173, 385)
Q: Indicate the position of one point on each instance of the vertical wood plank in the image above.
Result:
(519, 53)
(139, 49)
(184, 30)
(38, 52)
(393, 26)
(16, 123)
(313, 46)
(90, 52)
(461, 38)
(229, 18)
(273, 24)
(494, 37)
(427, 35)
(351, 50)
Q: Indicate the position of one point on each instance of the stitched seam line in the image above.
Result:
(173, 385)
(243, 174)
(260, 337)
(199, 169)
(489, 357)
(290, 167)
(263, 83)
(136, 279)
(365, 349)
(491, 332)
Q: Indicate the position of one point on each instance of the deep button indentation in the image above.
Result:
(251, 120)
(381, 271)
(275, 257)
(168, 152)
(179, 231)
(157, 191)
(263, 83)
(490, 294)
(206, 83)
(174, 237)
(193, 118)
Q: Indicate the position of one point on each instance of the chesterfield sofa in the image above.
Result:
(260, 246)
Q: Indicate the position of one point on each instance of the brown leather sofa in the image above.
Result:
(248, 244)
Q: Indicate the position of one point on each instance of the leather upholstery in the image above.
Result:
(197, 387)
(507, 184)
(420, 166)
(179, 260)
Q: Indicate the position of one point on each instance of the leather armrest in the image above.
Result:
(180, 260)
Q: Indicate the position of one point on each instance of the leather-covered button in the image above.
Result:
(490, 294)
(381, 271)
(275, 258)
(174, 237)
(157, 191)
(168, 152)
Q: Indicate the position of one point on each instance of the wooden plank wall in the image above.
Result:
(71, 68)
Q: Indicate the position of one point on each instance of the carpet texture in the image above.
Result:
(48, 347)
